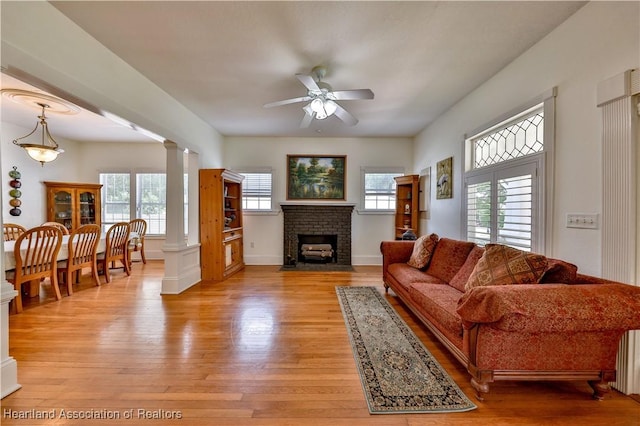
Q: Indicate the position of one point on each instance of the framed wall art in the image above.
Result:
(444, 182)
(316, 177)
(425, 189)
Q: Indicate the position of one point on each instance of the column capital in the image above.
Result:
(171, 145)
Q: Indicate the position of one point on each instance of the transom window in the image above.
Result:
(518, 139)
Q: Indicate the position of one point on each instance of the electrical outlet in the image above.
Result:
(582, 220)
(252, 246)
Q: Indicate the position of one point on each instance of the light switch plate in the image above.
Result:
(582, 220)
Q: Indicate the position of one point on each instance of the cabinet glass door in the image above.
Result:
(87, 209)
(63, 208)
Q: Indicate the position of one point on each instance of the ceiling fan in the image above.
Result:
(322, 99)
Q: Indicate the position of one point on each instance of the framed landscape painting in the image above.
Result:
(316, 177)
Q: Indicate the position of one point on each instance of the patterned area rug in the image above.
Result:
(398, 373)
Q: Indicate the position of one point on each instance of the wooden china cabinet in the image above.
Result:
(221, 231)
(407, 199)
(73, 204)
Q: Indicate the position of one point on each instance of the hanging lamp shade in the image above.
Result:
(46, 151)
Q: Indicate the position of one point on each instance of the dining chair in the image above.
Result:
(81, 249)
(63, 229)
(35, 251)
(117, 242)
(139, 226)
(12, 231)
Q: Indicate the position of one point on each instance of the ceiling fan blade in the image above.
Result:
(345, 116)
(287, 101)
(345, 95)
(308, 82)
(306, 120)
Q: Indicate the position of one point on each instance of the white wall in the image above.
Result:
(601, 40)
(266, 231)
(120, 157)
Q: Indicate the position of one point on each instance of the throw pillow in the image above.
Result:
(503, 265)
(422, 251)
(559, 271)
(460, 279)
(448, 258)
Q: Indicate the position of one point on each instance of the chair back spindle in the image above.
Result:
(81, 253)
(117, 242)
(63, 229)
(11, 231)
(139, 226)
(36, 252)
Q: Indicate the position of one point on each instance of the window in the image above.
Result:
(257, 190)
(149, 201)
(500, 207)
(380, 189)
(116, 198)
(504, 181)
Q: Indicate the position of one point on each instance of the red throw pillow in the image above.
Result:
(448, 258)
(422, 251)
(503, 265)
(559, 271)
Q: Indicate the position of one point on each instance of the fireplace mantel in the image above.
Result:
(316, 204)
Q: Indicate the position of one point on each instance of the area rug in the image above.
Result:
(397, 372)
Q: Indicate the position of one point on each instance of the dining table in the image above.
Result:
(34, 288)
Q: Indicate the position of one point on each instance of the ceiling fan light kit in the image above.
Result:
(322, 99)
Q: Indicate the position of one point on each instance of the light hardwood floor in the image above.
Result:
(262, 348)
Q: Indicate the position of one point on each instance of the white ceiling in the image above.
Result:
(224, 60)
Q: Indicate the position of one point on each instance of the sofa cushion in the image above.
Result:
(406, 275)
(534, 308)
(422, 251)
(448, 258)
(503, 265)
(559, 271)
(440, 303)
(460, 279)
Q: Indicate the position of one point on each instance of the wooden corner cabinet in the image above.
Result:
(221, 232)
(73, 204)
(407, 199)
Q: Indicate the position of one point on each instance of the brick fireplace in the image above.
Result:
(302, 221)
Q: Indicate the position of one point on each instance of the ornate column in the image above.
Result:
(181, 261)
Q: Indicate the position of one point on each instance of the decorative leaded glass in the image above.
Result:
(518, 139)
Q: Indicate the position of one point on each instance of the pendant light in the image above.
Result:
(48, 149)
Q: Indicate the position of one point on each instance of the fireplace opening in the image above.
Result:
(317, 248)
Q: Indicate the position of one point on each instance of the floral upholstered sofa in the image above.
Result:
(555, 324)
